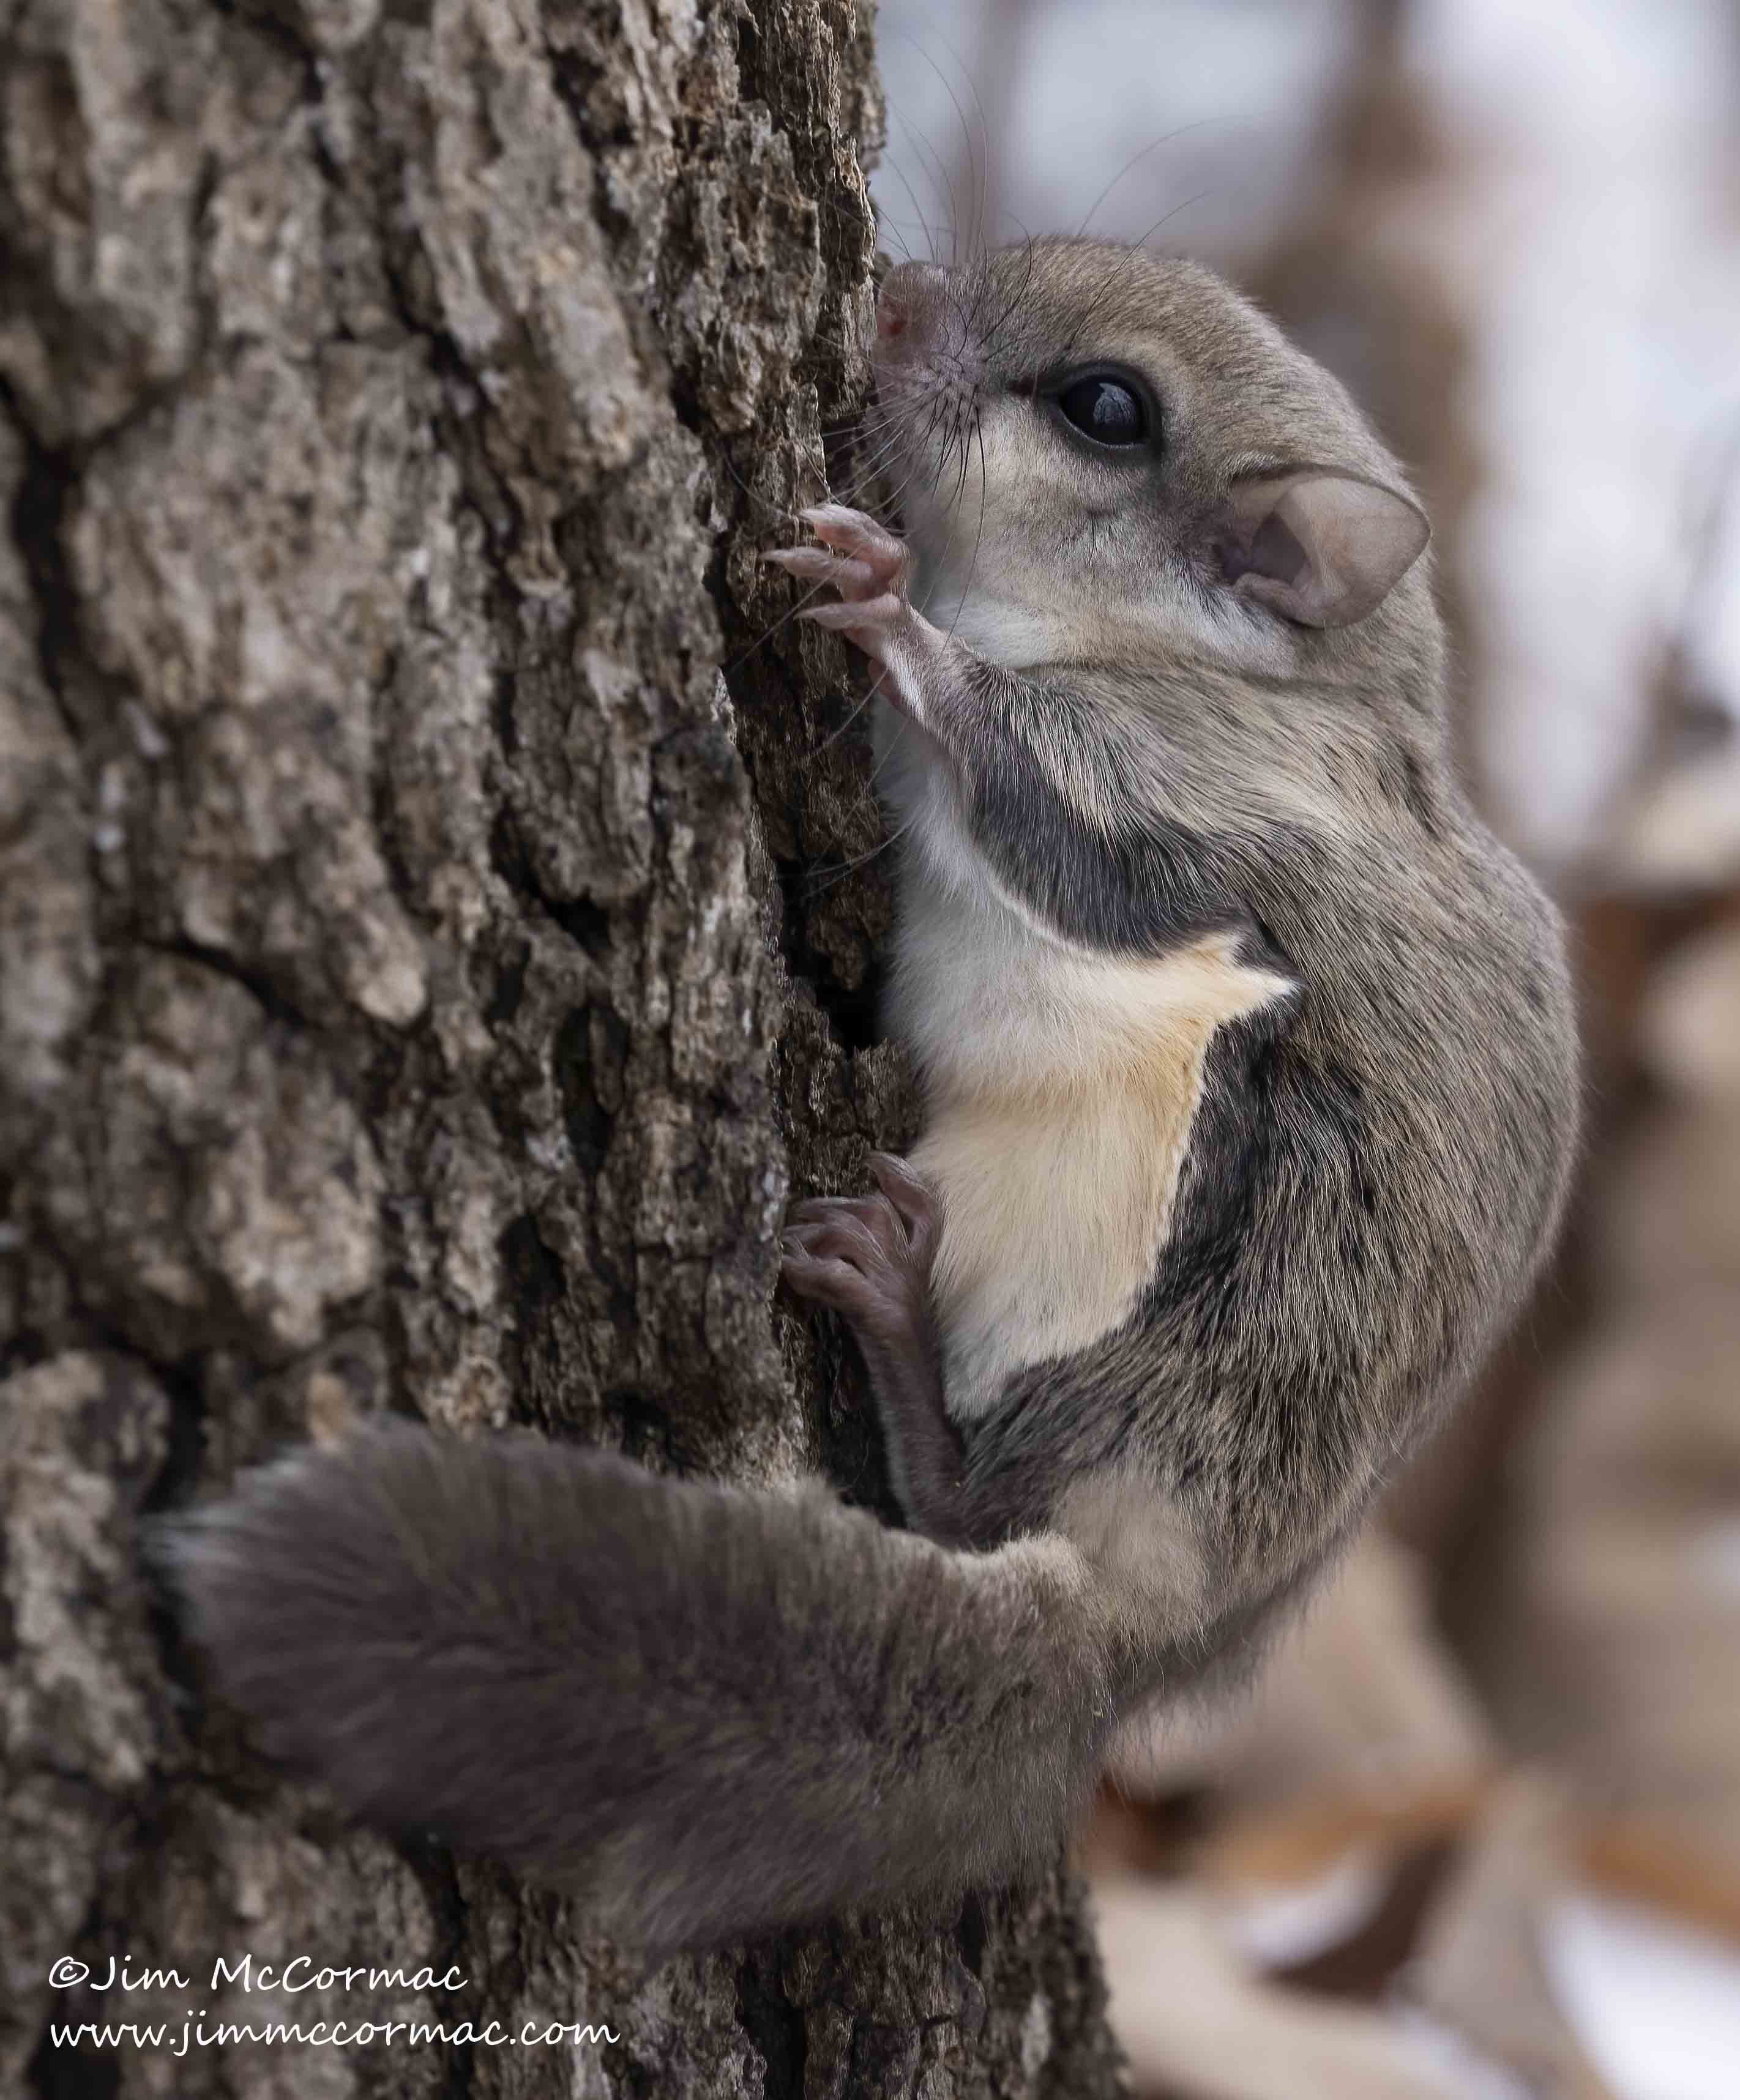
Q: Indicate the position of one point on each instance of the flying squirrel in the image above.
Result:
(1249, 1071)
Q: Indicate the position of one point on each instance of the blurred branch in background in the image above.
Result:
(1476, 1832)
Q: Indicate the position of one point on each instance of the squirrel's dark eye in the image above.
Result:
(1106, 410)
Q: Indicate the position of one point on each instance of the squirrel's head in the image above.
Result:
(1102, 455)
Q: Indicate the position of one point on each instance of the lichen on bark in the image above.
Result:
(427, 961)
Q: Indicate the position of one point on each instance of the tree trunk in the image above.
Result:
(421, 978)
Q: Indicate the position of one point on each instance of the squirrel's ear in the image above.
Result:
(1320, 546)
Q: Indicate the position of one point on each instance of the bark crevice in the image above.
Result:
(416, 989)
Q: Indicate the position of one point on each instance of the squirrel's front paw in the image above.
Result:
(860, 559)
(868, 566)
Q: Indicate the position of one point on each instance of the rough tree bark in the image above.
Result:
(421, 981)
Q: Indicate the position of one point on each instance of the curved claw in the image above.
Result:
(852, 533)
(830, 1282)
(915, 1201)
(856, 616)
(818, 565)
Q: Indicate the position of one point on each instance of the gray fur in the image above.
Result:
(717, 1712)
(1377, 1168)
(709, 1710)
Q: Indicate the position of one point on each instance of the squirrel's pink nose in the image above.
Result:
(908, 309)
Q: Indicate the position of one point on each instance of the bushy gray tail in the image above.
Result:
(713, 1712)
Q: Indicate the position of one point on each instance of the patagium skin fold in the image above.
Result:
(1249, 1065)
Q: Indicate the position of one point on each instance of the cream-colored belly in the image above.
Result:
(1061, 1110)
